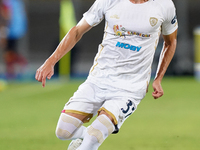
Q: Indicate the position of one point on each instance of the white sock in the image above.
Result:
(69, 127)
(97, 133)
(79, 133)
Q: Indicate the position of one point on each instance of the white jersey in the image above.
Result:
(131, 36)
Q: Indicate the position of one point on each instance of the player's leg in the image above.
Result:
(70, 126)
(97, 132)
(78, 110)
(111, 116)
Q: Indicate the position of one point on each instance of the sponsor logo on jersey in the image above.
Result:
(128, 46)
(153, 21)
(121, 31)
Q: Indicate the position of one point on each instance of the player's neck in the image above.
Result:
(138, 1)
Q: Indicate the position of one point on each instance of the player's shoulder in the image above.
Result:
(109, 3)
(165, 3)
(112, 2)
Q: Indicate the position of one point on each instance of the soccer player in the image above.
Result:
(119, 77)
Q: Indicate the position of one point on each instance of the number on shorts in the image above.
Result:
(129, 106)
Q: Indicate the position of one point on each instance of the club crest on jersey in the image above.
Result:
(153, 21)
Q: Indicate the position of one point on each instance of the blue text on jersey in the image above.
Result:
(128, 46)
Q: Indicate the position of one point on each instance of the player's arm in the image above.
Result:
(166, 56)
(67, 43)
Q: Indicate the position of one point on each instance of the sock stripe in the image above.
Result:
(63, 133)
(71, 120)
(107, 123)
(96, 133)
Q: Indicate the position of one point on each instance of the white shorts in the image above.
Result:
(90, 99)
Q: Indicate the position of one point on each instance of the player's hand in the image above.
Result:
(45, 71)
(158, 91)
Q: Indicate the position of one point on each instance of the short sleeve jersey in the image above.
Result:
(131, 36)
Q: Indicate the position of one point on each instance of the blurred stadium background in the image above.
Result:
(29, 113)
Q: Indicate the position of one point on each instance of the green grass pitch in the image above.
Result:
(29, 114)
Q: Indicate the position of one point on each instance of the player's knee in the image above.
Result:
(63, 134)
(101, 128)
(107, 123)
(66, 126)
(103, 112)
